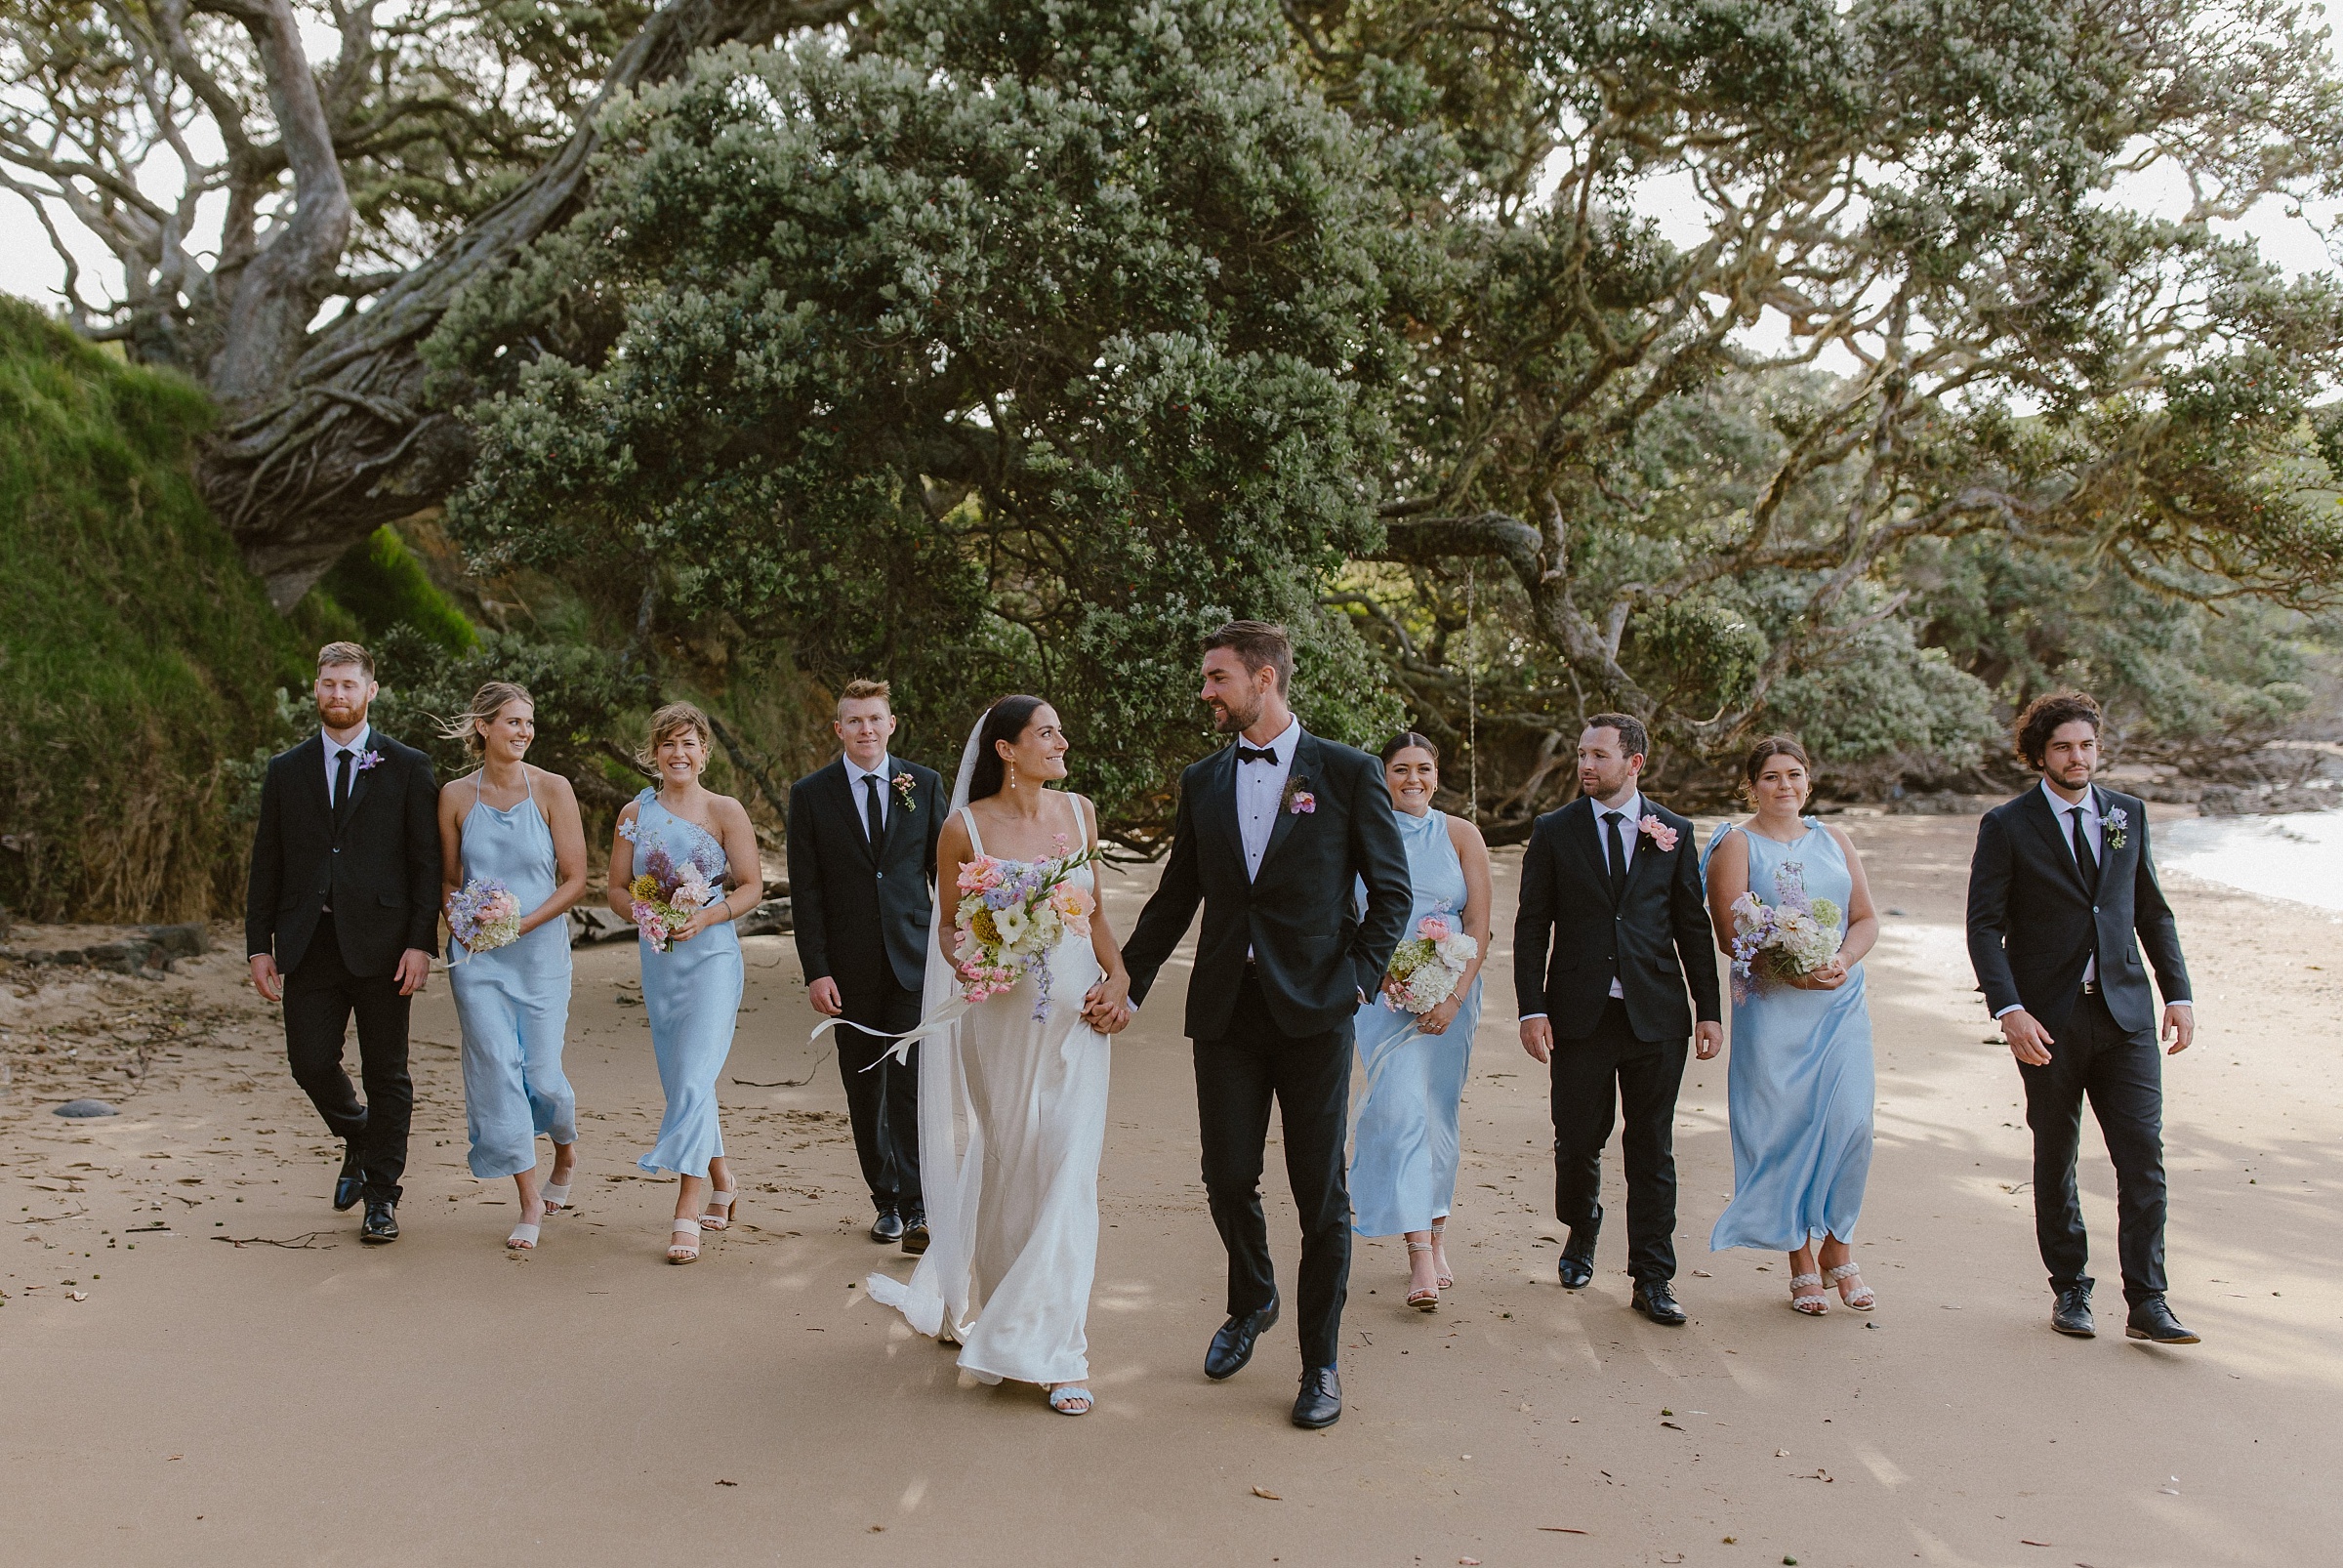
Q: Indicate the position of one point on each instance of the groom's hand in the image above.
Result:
(414, 969)
(1537, 1039)
(266, 979)
(1708, 1039)
(2029, 1041)
(823, 993)
(2180, 1027)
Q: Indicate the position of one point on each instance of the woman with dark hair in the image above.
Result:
(511, 824)
(1800, 1082)
(1403, 1171)
(1012, 1086)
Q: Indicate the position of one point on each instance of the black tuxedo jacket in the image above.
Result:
(860, 915)
(378, 867)
(1312, 950)
(2033, 926)
(1571, 941)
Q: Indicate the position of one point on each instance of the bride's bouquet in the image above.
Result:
(1429, 964)
(666, 897)
(1776, 943)
(484, 916)
(1012, 913)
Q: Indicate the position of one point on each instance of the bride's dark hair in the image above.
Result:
(1005, 720)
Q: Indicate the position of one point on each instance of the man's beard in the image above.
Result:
(1229, 722)
(341, 717)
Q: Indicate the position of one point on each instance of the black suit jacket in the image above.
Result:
(2033, 926)
(860, 916)
(378, 867)
(1314, 953)
(1570, 940)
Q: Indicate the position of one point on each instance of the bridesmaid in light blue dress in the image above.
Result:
(1799, 1082)
(518, 825)
(1403, 1171)
(691, 991)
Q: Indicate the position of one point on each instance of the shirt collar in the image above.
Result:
(857, 773)
(2088, 806)
(358, 746)
(1285, 753)
(1631, 810)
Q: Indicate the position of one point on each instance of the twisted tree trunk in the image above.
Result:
(316, 454)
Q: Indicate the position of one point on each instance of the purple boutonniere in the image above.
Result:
(2113, 823)
(369, 758)
(904, 785)
(1298, 799)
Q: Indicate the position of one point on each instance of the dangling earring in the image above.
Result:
(1012, 773)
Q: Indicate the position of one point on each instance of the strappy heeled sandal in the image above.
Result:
(1440, 1271)
(523, 1239)
(718, 1216)
(557, 1197)
(1811, 1301)
(683, 1251)
(1064, 1396)
(1862, 1299)
(1423, 1301)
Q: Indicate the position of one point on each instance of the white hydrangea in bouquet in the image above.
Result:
(1429, 964)
(1773, 944)
(484, 916)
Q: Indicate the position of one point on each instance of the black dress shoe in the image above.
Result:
(2070, 1313)
(1232, 1346)
(1320, 1402)
(347, 1186)
(382, 1223)
(888, 1226)
(915, 1237)
(1578, 1259)
(1654, 1301)
(2152, 1319)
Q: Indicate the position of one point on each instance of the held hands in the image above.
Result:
(1106, 1005)
(2030, 1042)
(1537, 1039)
(2180, 1027)
(414, 969)
(1708, 1039)
(266, 979)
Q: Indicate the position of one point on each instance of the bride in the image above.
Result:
(1012, 1089)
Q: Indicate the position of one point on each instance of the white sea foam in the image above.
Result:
(2299, 855)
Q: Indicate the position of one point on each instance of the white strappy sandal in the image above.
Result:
(1806, 1296)
(1862, 1299)
(523, 1239)
(718, 1216)
(557, 1197)
(1428, 1300)
(1440, 1253)
(683, 1251)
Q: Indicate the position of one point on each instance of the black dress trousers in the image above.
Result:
(882, 1096)
(2123, 1073)
(320, 997)
(1612, 1074)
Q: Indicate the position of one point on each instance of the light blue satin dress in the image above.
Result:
(691, 994)
(1799, 1082)
(513, 1002)
(1403, 1168)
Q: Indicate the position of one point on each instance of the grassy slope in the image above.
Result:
(138, 657)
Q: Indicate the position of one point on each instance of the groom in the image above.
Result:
(1273, 833)
(2063, 899)
(341, 917)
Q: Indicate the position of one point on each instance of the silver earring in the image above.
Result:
(1013, 773)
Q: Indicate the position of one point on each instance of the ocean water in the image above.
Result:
(2297, 856)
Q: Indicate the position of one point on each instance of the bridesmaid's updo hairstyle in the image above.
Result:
(1005, 721)
(486, 704)
(1767, 749)
(1407, 740)
(673, 720)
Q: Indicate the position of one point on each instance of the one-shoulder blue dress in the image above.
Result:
(1799, 1082)
(691, 993)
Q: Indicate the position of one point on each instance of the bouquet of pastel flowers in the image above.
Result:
(667, 895)
(484, 916)
(1011, 915)
(1429, 964)
(1775, 943)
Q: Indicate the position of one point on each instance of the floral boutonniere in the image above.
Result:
(904, 785)
(1658, 832)
(1298, 799)
(369, 758)
(2112, 824)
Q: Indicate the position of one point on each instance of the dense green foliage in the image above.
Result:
(139, 658)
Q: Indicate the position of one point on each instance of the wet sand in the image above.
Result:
(173, 1398)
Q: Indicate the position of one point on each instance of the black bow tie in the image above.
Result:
(1249, 753)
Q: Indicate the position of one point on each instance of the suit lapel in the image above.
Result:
(1302, 775)
(2046, 820)
(841, 790)
(1219, 808)
(308, 761)
(1587, 834)
(360, 775)
(896, 812)
(1645, 851)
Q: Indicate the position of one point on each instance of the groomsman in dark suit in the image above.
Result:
(2063, 898)
(341, 918)
(1613, 929)
(862, 835)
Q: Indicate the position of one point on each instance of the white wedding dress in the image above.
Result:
(1012, 1121)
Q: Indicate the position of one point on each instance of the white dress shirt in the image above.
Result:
(2094, 833)
(856, 773)
(1262, 795)
(1623, 842)
(333, 757)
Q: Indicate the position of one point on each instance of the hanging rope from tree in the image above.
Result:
(1472, 703)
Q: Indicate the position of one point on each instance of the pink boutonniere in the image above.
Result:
(369, 758)
(1658, 832)
(905, 784)
(1298, 799)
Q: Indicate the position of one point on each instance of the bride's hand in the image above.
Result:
(1114, 1022)
(1106, 998)
(1395, 992)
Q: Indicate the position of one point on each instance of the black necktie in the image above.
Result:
(1249, 753)
(870, 807)
(1615, 853)
(2084, 861)
(340, 783)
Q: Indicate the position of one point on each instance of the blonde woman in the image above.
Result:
(517, 825)
(699, 849)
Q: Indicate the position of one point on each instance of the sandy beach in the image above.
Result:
(201, 1365)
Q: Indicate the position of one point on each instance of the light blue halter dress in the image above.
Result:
(1799, 1081)
(1403, 1166)
(691, 993)
(513, 1002)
